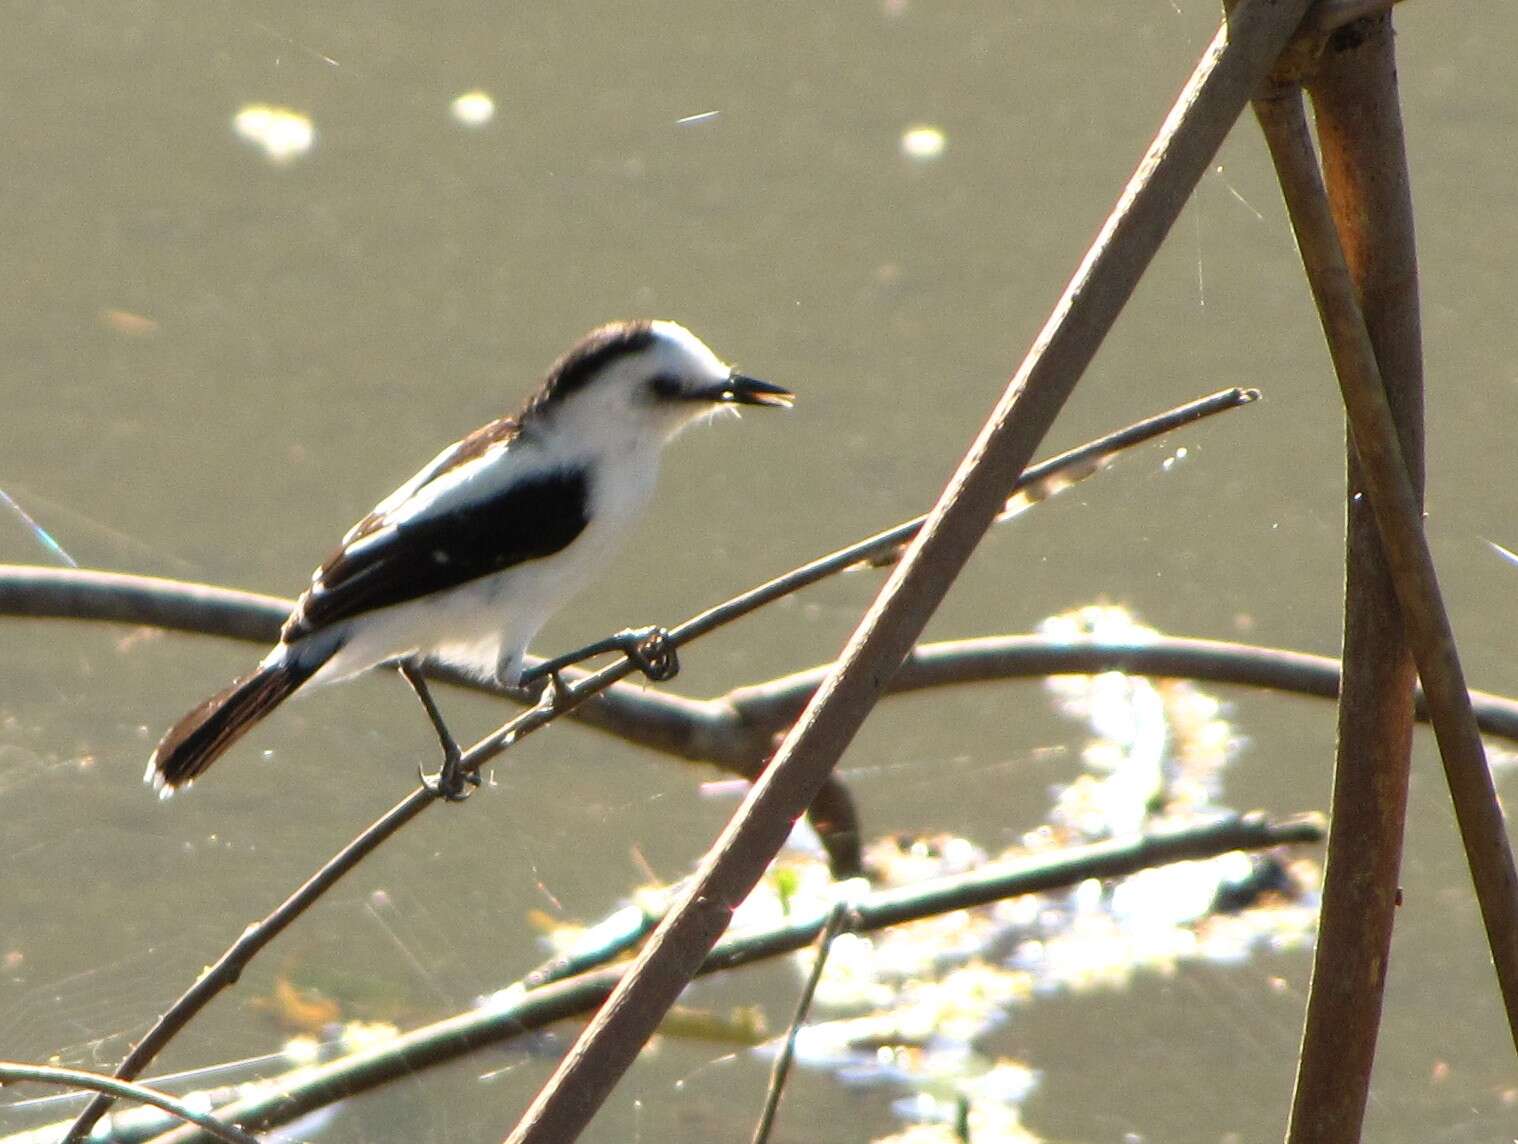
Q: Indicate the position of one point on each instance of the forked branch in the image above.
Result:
(884, 546)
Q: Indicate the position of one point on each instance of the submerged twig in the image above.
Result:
(12, 1071)
(604, 942)
(516, 1012)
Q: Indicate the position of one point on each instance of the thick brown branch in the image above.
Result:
(1371, 770)
(762, 709)
(1360, 127)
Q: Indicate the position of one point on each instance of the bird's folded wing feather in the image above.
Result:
(470, 513)
(494, 437)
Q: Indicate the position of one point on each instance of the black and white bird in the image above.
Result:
(466, 561)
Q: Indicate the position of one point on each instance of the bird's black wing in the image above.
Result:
(382, 564)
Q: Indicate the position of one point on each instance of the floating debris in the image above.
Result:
(912, 1005)
(127, 323)
(282, 134)
(297, 1010)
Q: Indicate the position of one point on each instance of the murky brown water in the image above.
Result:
(211, 364)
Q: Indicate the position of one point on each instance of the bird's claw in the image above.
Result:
(452, 783)
(653, 651)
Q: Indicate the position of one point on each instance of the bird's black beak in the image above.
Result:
(739, 389)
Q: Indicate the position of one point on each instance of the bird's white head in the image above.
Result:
(644, 382)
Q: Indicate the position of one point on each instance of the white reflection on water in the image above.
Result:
(923, 143)
(282, 134)
(473, 108)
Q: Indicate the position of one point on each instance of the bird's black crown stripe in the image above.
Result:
(528, 520)
(567, 375)
(591, 354)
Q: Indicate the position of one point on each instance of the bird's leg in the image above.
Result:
(451, 781)
(651, 649)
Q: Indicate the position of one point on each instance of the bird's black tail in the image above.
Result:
(198, 740)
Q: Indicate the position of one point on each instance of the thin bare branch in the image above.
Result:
(13, 1071)
(1238, 59)
(82, 594)
(787, 1053)
(229, 965)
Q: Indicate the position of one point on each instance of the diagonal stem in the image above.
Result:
(229, 965)
(1373, 755)
(1253, 35)
(1399, 520)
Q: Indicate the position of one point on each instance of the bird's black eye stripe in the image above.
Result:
(666, 386)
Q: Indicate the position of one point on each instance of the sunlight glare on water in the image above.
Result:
(281, 133)
(473, 108)
(923, 144)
